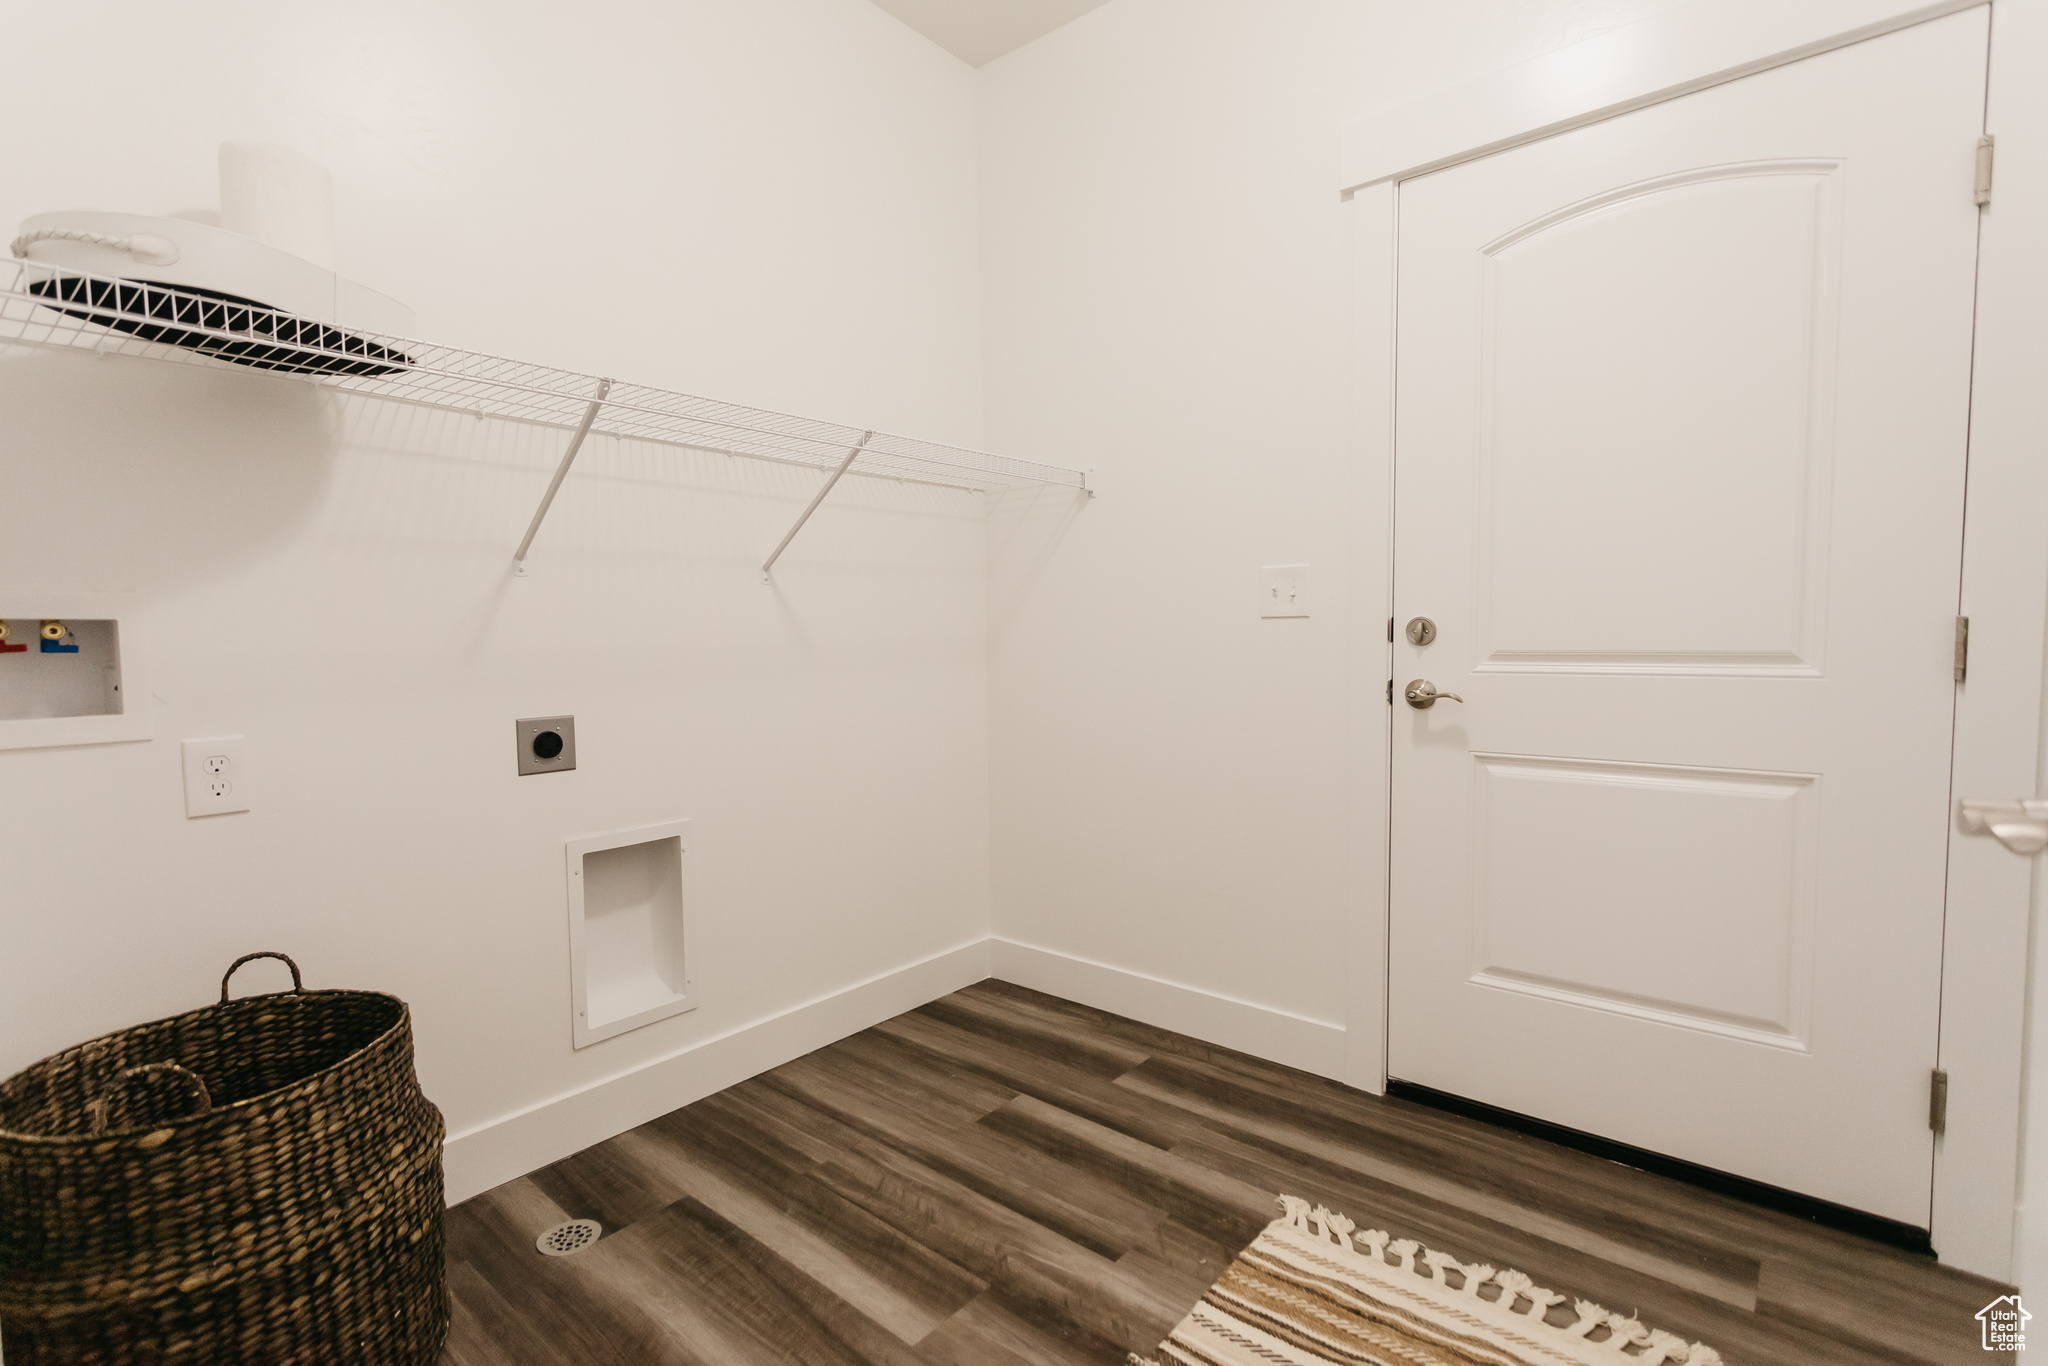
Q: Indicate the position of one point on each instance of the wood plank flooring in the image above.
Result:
(1002, 1178)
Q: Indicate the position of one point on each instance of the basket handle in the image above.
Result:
(105, 1103)
(297, 984)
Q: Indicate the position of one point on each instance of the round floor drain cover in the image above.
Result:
(574, 1236)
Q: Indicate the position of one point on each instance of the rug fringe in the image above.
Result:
(1655, 1346)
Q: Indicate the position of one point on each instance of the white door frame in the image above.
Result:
(1999, 728)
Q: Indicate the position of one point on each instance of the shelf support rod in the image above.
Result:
(547, 500)
(858, 446)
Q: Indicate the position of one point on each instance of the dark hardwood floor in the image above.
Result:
(1002, 1177)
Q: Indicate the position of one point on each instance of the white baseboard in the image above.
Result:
(490, 1154)
(1316, 1046)
(495, 1152)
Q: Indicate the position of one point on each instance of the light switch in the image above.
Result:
(1283, 590)
(216, 776)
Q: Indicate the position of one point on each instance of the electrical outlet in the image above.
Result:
(216, 776)
(1283, 590)
(544, 744)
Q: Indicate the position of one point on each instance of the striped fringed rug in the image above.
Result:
(1310, 1292)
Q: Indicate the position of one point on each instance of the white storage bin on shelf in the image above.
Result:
(69, 250)
(629, 908)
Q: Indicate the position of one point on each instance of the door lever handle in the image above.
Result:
(2020, 825)
(1422, 694)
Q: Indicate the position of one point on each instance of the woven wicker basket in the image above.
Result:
(258, 1181)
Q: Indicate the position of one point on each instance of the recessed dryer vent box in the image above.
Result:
(69, 673)
(629, 905)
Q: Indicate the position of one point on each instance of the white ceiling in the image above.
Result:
(978, 31)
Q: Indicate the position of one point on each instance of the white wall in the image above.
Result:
(766, 200)
(1181, 790)
(769, 202)
(1125, 236)
(775, 202)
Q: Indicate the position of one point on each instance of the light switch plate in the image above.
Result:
(216, 776)
(545, 744)
(1283, 590)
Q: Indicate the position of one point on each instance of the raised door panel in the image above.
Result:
(1680, 895)
(1656, 378)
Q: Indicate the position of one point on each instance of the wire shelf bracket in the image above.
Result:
(48, 306)
(547, 500)
(805, 516)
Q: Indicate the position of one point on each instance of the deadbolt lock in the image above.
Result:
(1421, 631)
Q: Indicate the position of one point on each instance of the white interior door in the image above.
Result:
(1682, 412)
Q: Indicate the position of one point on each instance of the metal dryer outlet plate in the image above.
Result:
(545, 744)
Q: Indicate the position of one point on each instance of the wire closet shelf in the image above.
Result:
(58, 307)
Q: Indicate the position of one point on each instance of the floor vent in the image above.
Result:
(574, 1236)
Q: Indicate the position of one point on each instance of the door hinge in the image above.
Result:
(1985, 146)
(1390, 630)
(1962, 648)
(1390, 692)
(1937, 1103)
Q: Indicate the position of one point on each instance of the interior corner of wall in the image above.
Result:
(1312, 1045)
(502, 1149)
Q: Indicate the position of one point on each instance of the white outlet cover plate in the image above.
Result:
(216, 776)
(1283, 590)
